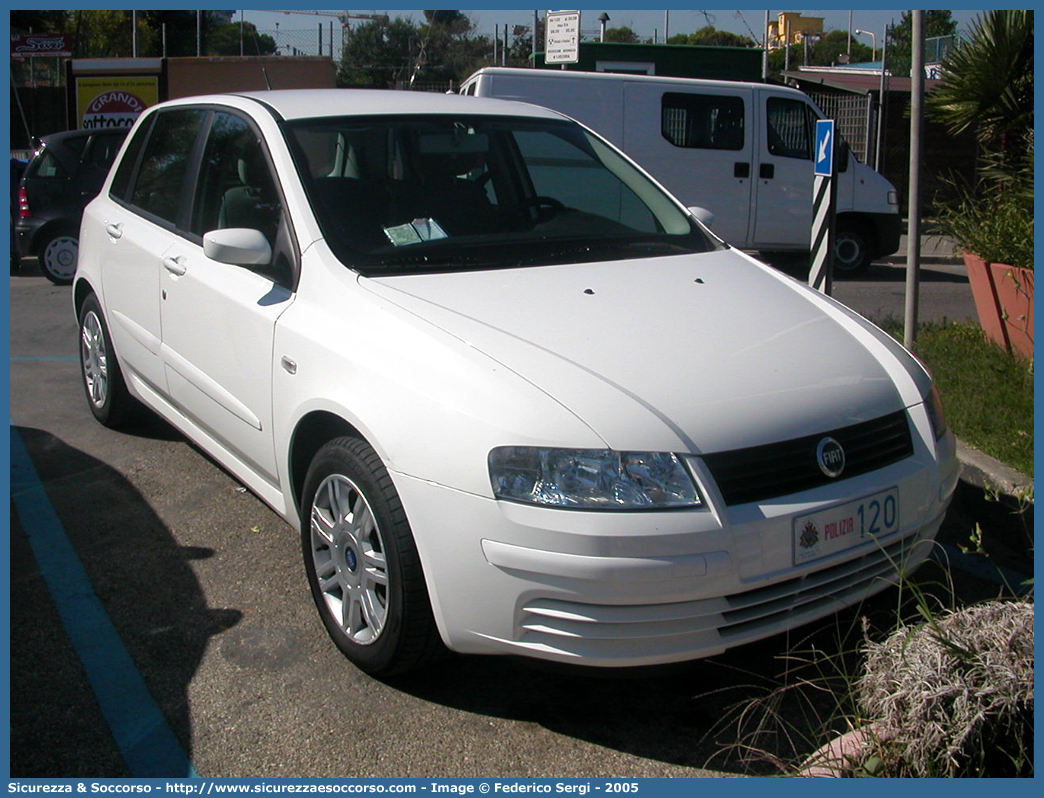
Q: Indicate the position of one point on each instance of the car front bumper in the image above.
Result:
(632, 589)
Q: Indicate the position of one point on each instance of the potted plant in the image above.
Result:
(987, 87)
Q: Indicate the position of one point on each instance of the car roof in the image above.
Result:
(293, 104)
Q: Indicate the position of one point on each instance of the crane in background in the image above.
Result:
(344, 17)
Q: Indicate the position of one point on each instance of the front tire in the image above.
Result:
(362, 563)
(103, 383)
(58, 258)
(851, 251)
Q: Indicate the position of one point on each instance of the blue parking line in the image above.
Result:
(45, 359)
(145, 740)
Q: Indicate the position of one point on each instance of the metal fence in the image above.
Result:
(855, 118)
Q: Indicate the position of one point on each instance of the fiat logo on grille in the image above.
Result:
(831, 457)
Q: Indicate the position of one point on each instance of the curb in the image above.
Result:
(990, 474)
(926, 260)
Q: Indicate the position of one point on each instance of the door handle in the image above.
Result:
(741, 169)
(114, 229)
(768, 171)
(175, 266)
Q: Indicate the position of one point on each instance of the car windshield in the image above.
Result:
(402, 194)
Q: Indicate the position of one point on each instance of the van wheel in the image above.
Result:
(851, 251)
(362, 563)
(58, 258)
(107, 393)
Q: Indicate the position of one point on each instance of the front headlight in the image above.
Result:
(591, 479)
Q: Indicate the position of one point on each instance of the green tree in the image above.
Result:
(828, 49)
(709, 36)
(987, 82)
(900, 37)
(181, 31)
(40, 22)
(987, 88)
(621, 35)
(449, 48)
(110, 34)
(378, 54)
(224, 39)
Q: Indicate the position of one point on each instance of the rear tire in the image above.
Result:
(362, 563)
(58, 258)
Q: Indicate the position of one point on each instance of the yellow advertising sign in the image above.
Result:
(113, 101)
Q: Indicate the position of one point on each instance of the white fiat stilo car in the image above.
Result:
(516, 398)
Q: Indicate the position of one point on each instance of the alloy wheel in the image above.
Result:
(348, 555)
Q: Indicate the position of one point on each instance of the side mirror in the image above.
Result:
(702, 215)
(238, 246)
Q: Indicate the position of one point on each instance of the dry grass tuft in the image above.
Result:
(953, 696)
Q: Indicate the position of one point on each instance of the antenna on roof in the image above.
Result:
(264, 68)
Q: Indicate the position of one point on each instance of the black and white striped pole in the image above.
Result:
(824, 203)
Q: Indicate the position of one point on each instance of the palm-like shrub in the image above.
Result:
(987, 87)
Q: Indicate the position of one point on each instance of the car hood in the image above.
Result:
(696, 353)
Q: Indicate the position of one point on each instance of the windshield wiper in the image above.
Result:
(619, 250)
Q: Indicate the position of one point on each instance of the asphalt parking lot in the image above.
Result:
(202, 587)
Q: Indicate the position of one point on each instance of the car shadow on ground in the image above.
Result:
(147, 587)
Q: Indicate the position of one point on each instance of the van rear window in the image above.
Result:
(703, 121)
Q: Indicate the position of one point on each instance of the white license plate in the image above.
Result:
(837, 528)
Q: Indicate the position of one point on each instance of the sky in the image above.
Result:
(647, 23)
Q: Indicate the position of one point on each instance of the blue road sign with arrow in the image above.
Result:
(825, 147)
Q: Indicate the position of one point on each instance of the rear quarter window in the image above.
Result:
(159, 186)
(121, 182)
(46, 165)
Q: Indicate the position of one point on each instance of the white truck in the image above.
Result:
(741, 150)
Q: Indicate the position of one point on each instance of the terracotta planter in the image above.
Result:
(1004, 301)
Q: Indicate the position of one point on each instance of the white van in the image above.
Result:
(741, 150)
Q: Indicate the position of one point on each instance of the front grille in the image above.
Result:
(778, 469)
(703, 626)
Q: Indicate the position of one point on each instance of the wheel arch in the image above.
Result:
(51, 229)
(82, 288)
(858, 222)
(313, 430)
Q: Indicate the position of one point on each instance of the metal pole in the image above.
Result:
(496, 41)
(666, 26)
(883, 100)
(536, 19)
(199, 33)
(134, 36)
(242, 32)
(850, 33)
(913, 242)
(164, 39)
(764, 53)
